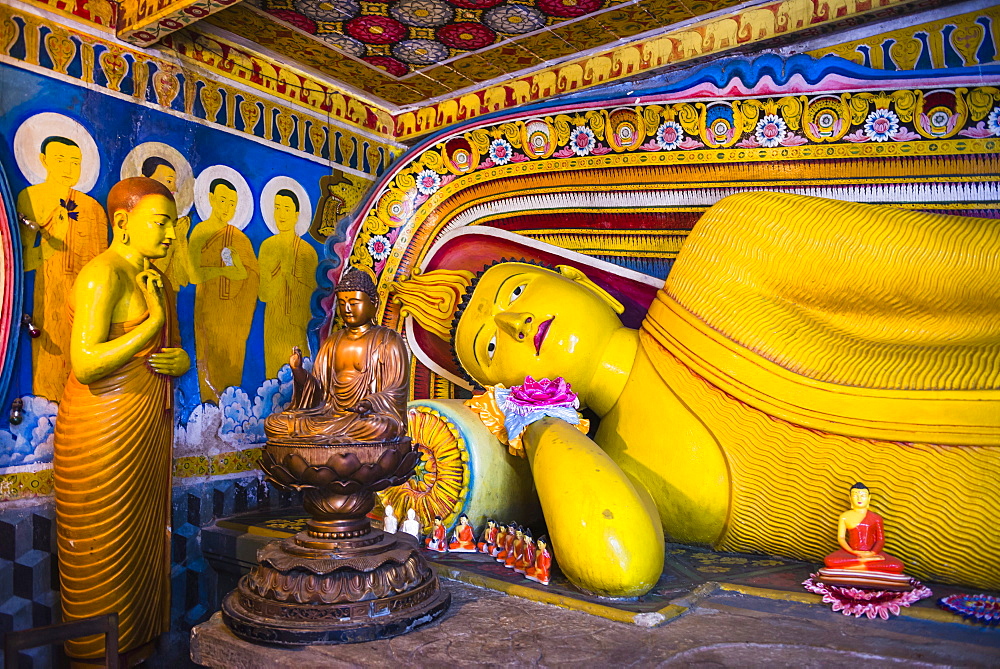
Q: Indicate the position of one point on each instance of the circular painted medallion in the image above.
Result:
(514, 19)
(420, 51)
(376, 29)
(328, 10)
(467, 35)
(423, 13)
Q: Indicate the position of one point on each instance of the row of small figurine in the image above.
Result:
(511, 545)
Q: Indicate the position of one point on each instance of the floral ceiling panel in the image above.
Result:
(406, 36)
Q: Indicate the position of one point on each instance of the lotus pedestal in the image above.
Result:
(339, 581)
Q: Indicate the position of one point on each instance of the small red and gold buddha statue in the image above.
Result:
(861, 562)
(464, 539)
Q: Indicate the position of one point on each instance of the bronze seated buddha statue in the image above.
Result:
(357, 389)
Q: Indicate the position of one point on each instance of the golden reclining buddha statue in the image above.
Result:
(798, 345)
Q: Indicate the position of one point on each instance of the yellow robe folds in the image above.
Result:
(80, 231)
(112, 469)
(823, 343)
(223, 314)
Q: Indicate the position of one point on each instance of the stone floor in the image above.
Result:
(720, 629)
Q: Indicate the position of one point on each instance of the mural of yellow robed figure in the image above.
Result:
(71, 229)
(288, 280)
(114, 430)
(798, 345)
(224, 268)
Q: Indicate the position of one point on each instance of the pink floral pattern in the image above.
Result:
(543, 393)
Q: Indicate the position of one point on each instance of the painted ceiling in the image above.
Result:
(409, 51)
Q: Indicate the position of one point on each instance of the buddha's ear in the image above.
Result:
(119, 222)
(574, 274)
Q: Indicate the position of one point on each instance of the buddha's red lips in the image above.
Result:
(543, 329)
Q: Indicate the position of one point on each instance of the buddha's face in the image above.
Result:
(150, 226)
(541, 545)
(167, 176)
(859, 498)
(463, 521)
(62, 164)
(355, 307)
(525, 320)
(411, 514)
(388, 509)
(286, 214)
(223, 202)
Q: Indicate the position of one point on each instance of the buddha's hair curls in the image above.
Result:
(127, 193)
(859, 486)
(358, 280)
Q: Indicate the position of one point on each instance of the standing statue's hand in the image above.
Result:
(296, 360)
(170, 361)
(151, 285)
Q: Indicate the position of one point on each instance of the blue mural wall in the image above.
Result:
(117, 126)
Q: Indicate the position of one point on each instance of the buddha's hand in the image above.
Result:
(295, 361)
(363, 408)
(170, 361)
(151, 285)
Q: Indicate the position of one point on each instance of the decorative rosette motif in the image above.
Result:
(420, 51)
(348, 45)
(440, 484)
(379, 246)
(569, 8)
(669, 135)
(983, 609)
(993, 121)
(376, 29)
(389, 64)
(422, 13)
(328, 10)
(514, 19)
(500, 151)
(881, 125)
(582, 140)
(300, 21)
(476, 4)
(428, 182)
(467, 35)
(770, 131)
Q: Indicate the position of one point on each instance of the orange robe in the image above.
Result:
(112, 470)
(463, 540)
(83, 237)
(223, 313)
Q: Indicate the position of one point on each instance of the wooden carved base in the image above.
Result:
(307, 591)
